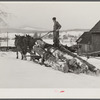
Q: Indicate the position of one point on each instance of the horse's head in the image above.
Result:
(28, 38)
(17, 36)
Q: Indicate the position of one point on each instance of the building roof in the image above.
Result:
(85, 38)
(96, 28)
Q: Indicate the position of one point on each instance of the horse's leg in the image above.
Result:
(21, 56)
(31, 56)
(25, 57)
(30, 52)
(25, 54)
(17, 54)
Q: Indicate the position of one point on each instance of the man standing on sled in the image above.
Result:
(56, 28)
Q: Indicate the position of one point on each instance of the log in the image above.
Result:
(90, 66)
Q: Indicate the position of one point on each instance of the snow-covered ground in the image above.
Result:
(17, 73)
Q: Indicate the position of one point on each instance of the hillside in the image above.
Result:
(30, 30)
(18, 30)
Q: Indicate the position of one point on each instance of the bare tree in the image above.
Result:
(4, 15)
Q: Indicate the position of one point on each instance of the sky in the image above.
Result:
(71, 15)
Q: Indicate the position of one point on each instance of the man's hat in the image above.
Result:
(54, 18)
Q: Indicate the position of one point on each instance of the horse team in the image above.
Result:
(25, 44)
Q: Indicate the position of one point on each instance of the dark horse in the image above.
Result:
(21, 46)
(31, 42)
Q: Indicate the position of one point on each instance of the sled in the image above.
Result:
(62, 64)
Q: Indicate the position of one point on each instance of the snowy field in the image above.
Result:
(17, 73)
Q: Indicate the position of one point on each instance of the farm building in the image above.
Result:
(89, 42)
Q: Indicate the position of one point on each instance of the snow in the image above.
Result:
(75, 33)
(50, 41)
(95, 61)
(17, 73)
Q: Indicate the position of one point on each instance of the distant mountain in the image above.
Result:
(33, 28)
(77, 30)
(16, 30)
(29, 28)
